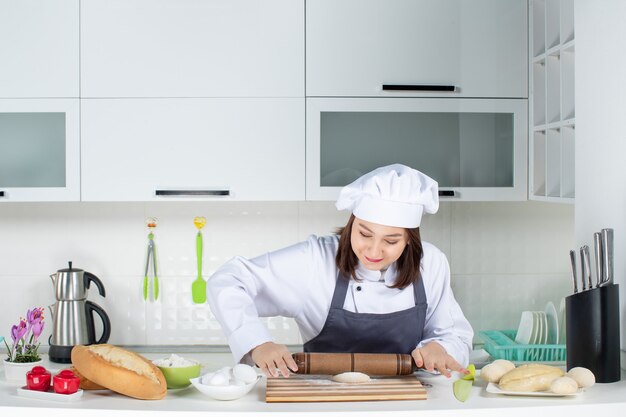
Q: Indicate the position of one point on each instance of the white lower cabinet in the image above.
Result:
(476, 149)
(39, 150)
(207, 149)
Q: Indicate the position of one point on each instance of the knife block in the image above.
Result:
(593, 332)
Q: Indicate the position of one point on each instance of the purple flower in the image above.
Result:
(37, 329)
(17, 332)
(24, 343)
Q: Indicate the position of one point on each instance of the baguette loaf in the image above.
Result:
(85, 383)
(120, 370)
(530, 378)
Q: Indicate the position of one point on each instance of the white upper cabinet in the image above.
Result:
(192, 48)
(478, 48)
(39, 150)
(39, 48)
(476, 149)
(207, 149)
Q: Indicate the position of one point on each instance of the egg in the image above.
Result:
(206, 378)
(219, 379)
(244, 373)
(583, 376)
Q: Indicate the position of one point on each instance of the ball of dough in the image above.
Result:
(583, 376)
(351, 378)
(495, 370)
(508, 365)
(564, 385)
(244, 373)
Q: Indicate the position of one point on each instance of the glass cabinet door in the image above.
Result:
(39, 150)
(474, 149)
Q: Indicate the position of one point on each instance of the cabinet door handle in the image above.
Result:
(192, 193)
(1, 193)
(446, 193)
(418, 87)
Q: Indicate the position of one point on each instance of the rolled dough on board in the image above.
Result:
(351, 377)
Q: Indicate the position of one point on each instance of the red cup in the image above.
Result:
(65, 382)
(38, 379)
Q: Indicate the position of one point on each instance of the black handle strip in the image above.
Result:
(192, 192)
(446, 193)
(1, 193)
(418, 87)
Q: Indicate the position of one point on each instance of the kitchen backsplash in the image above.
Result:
(504, 258)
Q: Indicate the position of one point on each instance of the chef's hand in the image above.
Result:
(433, 357)
(269, 356)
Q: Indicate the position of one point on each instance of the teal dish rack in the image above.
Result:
(500, 344)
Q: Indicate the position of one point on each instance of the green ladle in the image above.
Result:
(198, 286)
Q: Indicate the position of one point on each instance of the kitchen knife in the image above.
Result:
(598, 255)
(583, 270)
(572, 257)
(607, 244)
(587, 261)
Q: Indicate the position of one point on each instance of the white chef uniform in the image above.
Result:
(299, 281)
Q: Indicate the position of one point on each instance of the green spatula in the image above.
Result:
(198, 287)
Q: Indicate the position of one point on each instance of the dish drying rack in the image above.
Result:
(500, 344)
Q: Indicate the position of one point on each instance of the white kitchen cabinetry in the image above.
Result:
(227, 148)
(39, 150)
(39, 50)
(478, 47)
(192, 48)
(475, 148)
(552, 114)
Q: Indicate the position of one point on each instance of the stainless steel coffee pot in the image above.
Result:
(73, 314)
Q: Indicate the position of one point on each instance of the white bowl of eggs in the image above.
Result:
(228, 383)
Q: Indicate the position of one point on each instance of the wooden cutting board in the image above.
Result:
(320, 388)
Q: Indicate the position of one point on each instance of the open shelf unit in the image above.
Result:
(552, 114)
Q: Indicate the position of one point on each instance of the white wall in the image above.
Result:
(504, 257)
(600, 134)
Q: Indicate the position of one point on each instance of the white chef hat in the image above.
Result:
(394, 195)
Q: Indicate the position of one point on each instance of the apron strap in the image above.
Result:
(341, 289)
(418, 291)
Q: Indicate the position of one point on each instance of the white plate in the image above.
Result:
(536, 329)
(49, 395)
(525, 328)
(553, 324)
(543, 328)
(493, 388)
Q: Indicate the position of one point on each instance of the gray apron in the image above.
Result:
(349, 332)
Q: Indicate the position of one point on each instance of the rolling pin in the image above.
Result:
(367, 363)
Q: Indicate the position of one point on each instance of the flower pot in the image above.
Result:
(16, 371)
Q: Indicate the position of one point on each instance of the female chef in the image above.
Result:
(373, 288)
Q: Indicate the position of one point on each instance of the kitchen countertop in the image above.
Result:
(600, 399)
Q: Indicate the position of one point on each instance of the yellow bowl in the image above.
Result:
(179, 377)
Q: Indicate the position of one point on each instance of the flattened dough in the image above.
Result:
(351, 378)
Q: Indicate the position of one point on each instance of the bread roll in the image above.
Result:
(85, 383)
(530, 378)
(120, 370)
(495, 370)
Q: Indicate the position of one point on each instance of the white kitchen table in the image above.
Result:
(599, 400)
